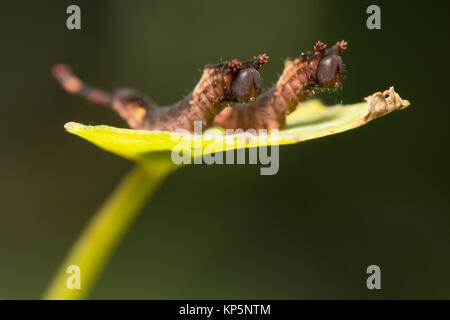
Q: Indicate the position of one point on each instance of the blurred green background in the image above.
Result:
(375, 195)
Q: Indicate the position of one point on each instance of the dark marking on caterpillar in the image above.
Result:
(302, 77)
(220, 85)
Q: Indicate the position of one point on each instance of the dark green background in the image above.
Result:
(375, 195)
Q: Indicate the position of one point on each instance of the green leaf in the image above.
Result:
(311, 120)
(151, 149)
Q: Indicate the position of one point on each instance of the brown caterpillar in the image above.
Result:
(223, 94)
(302, 77)
(221, 85)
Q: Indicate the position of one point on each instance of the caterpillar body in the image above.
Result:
(220, 85)
(226, 94)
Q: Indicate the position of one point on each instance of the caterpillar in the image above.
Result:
(227, 93)
(302, 77)
(220, 85)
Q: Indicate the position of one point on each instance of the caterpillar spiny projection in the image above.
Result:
(226, 94)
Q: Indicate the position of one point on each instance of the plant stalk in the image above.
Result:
(108, 226)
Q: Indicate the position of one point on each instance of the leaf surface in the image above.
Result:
(311, 120)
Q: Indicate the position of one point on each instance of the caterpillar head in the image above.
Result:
(330, 72)
(246, 85)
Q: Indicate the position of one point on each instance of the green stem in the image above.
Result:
(105, 230)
